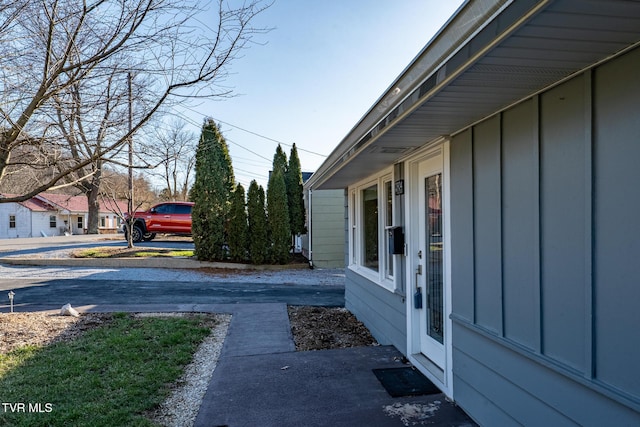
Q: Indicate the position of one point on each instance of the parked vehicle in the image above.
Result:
(168, 217)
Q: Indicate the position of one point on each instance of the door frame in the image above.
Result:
(442, 376)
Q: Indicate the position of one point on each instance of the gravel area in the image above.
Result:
(305, 276)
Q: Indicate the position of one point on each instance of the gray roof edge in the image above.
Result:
(470, 17)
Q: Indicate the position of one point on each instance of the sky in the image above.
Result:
(311, 78)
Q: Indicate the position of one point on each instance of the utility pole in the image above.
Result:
(130, 198)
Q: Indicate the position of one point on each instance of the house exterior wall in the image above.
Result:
(23, 220)
(383, 312)
(327, 222)
(545, 248)
(41, 224)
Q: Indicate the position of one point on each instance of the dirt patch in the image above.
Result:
(39, 329)
(322, 328)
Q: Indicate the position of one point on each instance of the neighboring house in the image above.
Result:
(508, 153)
(53, 215)
(323, 245)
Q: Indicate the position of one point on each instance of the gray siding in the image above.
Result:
(616, 224)
(487, 238)
(545, 249)
(383, 312)
(462, 209)
(564, 206)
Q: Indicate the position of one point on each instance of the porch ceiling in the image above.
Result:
(526, 47)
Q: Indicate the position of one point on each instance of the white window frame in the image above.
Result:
(356, 230)
(12, 221)
(53, 221)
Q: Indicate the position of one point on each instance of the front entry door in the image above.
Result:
(430, 273)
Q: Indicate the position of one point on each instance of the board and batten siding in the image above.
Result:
(328, 228)
(545, 255)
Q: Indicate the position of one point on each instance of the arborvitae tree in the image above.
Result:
(237, 238)
(211, 192)
(295, 195)
(278, 214)
(280, 162)
(258, 235)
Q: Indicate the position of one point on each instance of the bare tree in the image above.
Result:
(62, 63)
(174, 150)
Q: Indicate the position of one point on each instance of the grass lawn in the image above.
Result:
(111, 252)
(109, 376)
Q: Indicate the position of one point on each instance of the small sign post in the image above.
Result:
(11, 295)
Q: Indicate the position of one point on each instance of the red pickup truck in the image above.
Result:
(168, 217)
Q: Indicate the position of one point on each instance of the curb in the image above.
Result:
(158, 262)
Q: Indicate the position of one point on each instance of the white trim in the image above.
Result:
(378, 277)
(442, 377)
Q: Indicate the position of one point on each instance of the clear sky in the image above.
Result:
(312, 77)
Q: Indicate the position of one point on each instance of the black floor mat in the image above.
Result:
(405, 382)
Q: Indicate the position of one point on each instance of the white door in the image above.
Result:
(430, 280)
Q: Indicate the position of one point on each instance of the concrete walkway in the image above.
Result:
(260, 380)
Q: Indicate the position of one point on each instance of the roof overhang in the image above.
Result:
(488, 56)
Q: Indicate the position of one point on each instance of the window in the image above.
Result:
(182, 209)
(12, 221)
(370, 218)
(80, 222)
(53, 221)
(103, 221)
(388, 222)
(370, 227)
(163, 209)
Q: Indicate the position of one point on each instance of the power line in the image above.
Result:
(188, 119)
(258, 134)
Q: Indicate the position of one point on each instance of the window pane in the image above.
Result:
(370, 226)
(435, 284)
(354, 245)
(388, 222)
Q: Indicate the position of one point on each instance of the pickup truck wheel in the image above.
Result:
(137, 234)
(147, 237)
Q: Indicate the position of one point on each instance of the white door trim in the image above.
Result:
(441, 376)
